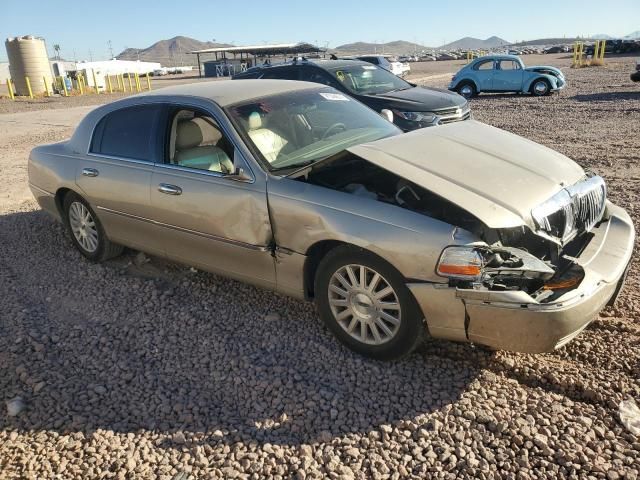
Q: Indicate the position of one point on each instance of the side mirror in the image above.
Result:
(386, 113)
(239, 175)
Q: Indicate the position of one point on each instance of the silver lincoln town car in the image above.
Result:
(463, 231)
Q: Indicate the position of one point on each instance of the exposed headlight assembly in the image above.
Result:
(464, 263)
(426, 117)
(476, 263)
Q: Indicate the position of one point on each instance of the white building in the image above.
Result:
(116, 67)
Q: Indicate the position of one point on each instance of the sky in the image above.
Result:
(84, 30)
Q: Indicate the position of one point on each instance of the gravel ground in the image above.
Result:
(142, 369)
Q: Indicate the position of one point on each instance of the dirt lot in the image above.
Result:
(149, 370)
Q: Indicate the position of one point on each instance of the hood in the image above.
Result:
(421, 99)
(543, 68)
(495, 175)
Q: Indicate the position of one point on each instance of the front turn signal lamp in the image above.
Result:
(463, 263)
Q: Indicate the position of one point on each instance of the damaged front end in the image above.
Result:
(541, 263)
(537, 262)
(528, 288)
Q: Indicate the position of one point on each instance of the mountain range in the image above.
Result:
(471, 43)
(398, 47)
(171, 52)
(174, 51)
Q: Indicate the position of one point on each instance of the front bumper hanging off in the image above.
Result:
(512, 320)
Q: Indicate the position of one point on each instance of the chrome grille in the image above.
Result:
(449, 111)
(452, 110)
(453, 114)
(465, 116)
(574, 209)
(589, 200)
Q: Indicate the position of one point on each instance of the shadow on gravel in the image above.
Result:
(94, 347)
(607, 96)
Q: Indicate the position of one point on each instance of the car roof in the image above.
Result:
(498, 57)
(340, 63)
(321, 63)
(228, 92)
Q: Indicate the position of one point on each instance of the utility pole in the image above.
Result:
(110, 50)
(90, 56)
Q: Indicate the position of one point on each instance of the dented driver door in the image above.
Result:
(215, 222)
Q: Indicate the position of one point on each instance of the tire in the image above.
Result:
(365, 311)
(540, 87)
(86, 231)
(466, 89)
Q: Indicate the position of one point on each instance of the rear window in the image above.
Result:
(280, 73)
(486, 65)
(127, 133)
(373, 60)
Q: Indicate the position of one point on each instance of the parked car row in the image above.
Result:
(611, 46)
(615, 46)
(160, 72)
(388, 63)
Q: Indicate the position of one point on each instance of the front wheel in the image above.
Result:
(86, 231)
(365, 303)
(540, 87)
(467, 89)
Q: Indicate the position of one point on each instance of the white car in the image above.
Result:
(397, 68)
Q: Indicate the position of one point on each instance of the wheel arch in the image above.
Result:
(59, 199)
(316, 252)
(549, 78)
(314, 255)
(467, 80)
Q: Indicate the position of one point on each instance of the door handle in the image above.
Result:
(169, 189)
(90, 172)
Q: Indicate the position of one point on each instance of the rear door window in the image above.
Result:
(129, 133)
(315, 75)
(509, 65)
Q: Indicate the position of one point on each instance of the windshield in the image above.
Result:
(294, 129)
(368, 79)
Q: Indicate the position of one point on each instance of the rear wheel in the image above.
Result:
(364, 301)
(86, 231)
(540, 87)
(467, 89)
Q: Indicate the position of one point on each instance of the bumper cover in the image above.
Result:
(560, 84)
(513, 320)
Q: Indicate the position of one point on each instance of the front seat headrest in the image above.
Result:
(255, 121)
(188, 134)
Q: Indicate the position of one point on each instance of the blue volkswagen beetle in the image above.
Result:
(506, 73)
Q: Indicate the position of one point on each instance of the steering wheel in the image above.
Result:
(333, 127)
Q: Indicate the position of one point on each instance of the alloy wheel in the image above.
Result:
(83, 227)
(364, 304)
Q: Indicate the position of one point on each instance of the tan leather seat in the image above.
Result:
(268, 142)
(191, 153)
